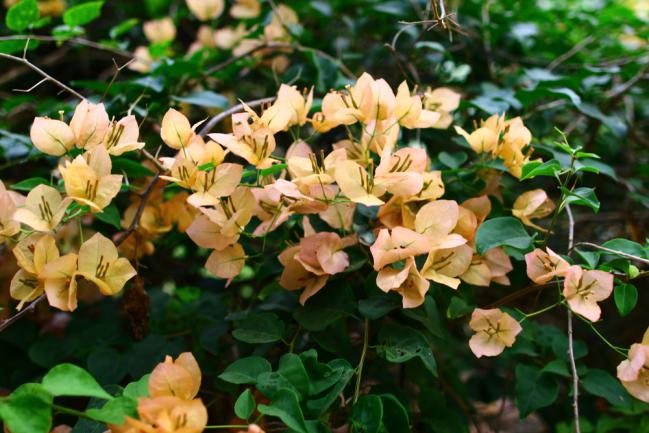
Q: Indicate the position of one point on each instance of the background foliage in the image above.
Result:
(579, 66)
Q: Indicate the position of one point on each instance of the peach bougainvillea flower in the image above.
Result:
(89, 123)
(443, 101)
(396, 245)
(32, 254)
(226, 263)
(9, 227)
(59, 283)
(88, 180)
(444, 265)
(408, 110)
(170, 406)
(51, 136)
(44, 208)
(584, 289)
(244, 9)
(408, 282)
(309, 264)
(206, 10)
(99, 263)
(160, 30)
(315, 169)
(211, 185)
(494, 330)
(180, 378)
(176, 131)
(543, 266)
(436, 220)
(122, 136)
(532, 205)
(295, 103)
(634, 371)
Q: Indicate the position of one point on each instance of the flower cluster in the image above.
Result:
(171, 405)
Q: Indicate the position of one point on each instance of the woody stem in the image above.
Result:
(571, 351)
(361, 362)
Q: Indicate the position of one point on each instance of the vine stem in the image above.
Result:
(361, 362)
(571, 351)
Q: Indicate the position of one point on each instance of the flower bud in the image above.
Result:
(51, 136)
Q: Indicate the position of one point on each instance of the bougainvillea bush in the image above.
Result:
(324, 216)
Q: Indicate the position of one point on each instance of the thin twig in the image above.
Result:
(144, 198)
(44, 74)
(571, 52)
(612, 251)
(29, 308)
(571, 351)
(286, 46)
(230, 111)
(361, 362)
(72, 41)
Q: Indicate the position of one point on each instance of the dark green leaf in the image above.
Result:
(537, 168)
(204, 99)
(245, 405)
(110, 215)
(583, 197)
(130, 168)
(602, 384)
(626, 298)
(367, 414)
(245, 370)
(502, 231)
(260, 328)
(285, 406)
(398, 344)
(534, 389)
(29, 184)
(114, 411)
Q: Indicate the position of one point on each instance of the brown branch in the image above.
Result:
(282, 46)
(230, 111)
(571, 52)
(41, 72)
(72, 41)
(144, 198)
(29, 308)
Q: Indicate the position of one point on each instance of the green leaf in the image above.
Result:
(260, 328)
(537, 168)
(292, 368)
(626, 298)
(378, 306)
(458, 307)
(114, 411)
(502, 231)
(602, 384)
(21, 15)
(130, 168)
(204, 99)
(245, 370)
(122, 28)
(399, 344)
(367, 414)
(110, 215)
(139, 388)
(534, 389)
(27, 410)
(452, 160)
(286, 407)
(625, 246)
(82, 14)
(395, 415)
(582, 197)
(273, 170)
(68, 379)
(245, 405)
(29, 184)
(339, 371)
